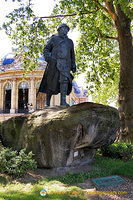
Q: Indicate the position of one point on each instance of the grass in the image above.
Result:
(60, 188)
(55, 190)
(107, 166)
(71, 178)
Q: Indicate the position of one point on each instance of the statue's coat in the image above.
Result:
(59, 53)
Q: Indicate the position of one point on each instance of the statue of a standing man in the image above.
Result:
(60, 57)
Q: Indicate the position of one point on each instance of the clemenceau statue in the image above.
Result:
(60, 57)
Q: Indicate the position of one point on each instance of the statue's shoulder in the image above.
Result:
(51, 38)
(70, 41)
(54, 37)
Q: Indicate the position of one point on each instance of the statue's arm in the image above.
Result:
(73, 59)
(48, 49)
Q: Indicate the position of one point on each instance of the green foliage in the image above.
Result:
(107, 166)
(15, 163)
(107, 93)
(97, 54)
(55, 190)
(127, 7)
(104, 166)
(70, 178)
(119, 150)
(26, 30)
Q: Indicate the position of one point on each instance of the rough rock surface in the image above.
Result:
(60, 136)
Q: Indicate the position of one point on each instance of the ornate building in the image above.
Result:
(18, 94)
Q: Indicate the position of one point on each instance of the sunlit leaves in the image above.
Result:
(126, 6)
(26, 30)
(96, 56)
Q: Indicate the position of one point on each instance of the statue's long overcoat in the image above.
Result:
(60, 57)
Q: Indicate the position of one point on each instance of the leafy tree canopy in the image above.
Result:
(97, 52)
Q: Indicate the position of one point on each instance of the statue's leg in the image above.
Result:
(48, 98)
(63, 90)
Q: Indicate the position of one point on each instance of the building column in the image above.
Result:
(32, 95)
(52, 100)
(13, 97)
(68, 99)
(16, 107)
(0, 97)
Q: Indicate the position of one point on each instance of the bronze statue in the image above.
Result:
(60, 57)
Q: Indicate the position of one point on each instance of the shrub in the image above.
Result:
(119, 150)
(15, 163)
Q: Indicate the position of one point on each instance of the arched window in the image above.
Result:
(41, 98)
(7, 97)
(23, 93)
(8, 86)
(24, 85)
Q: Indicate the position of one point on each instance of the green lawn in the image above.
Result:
(108, 166)
(55, 190)
(60, 188)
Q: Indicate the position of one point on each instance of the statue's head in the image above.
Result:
(63, 29)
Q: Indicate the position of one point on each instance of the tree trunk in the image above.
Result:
(126, 76)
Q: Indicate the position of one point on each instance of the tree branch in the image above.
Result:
(68, 15)
(104, 8)
(107, 37)
(111, 10)
(55, 16)
(111, 38)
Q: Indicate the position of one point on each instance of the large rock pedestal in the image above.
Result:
(60, 136)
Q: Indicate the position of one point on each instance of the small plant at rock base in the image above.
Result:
(14, 163)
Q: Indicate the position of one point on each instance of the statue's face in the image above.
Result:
(63, 30)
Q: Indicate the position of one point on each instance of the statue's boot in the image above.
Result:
(48, 98)
(63, 89)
